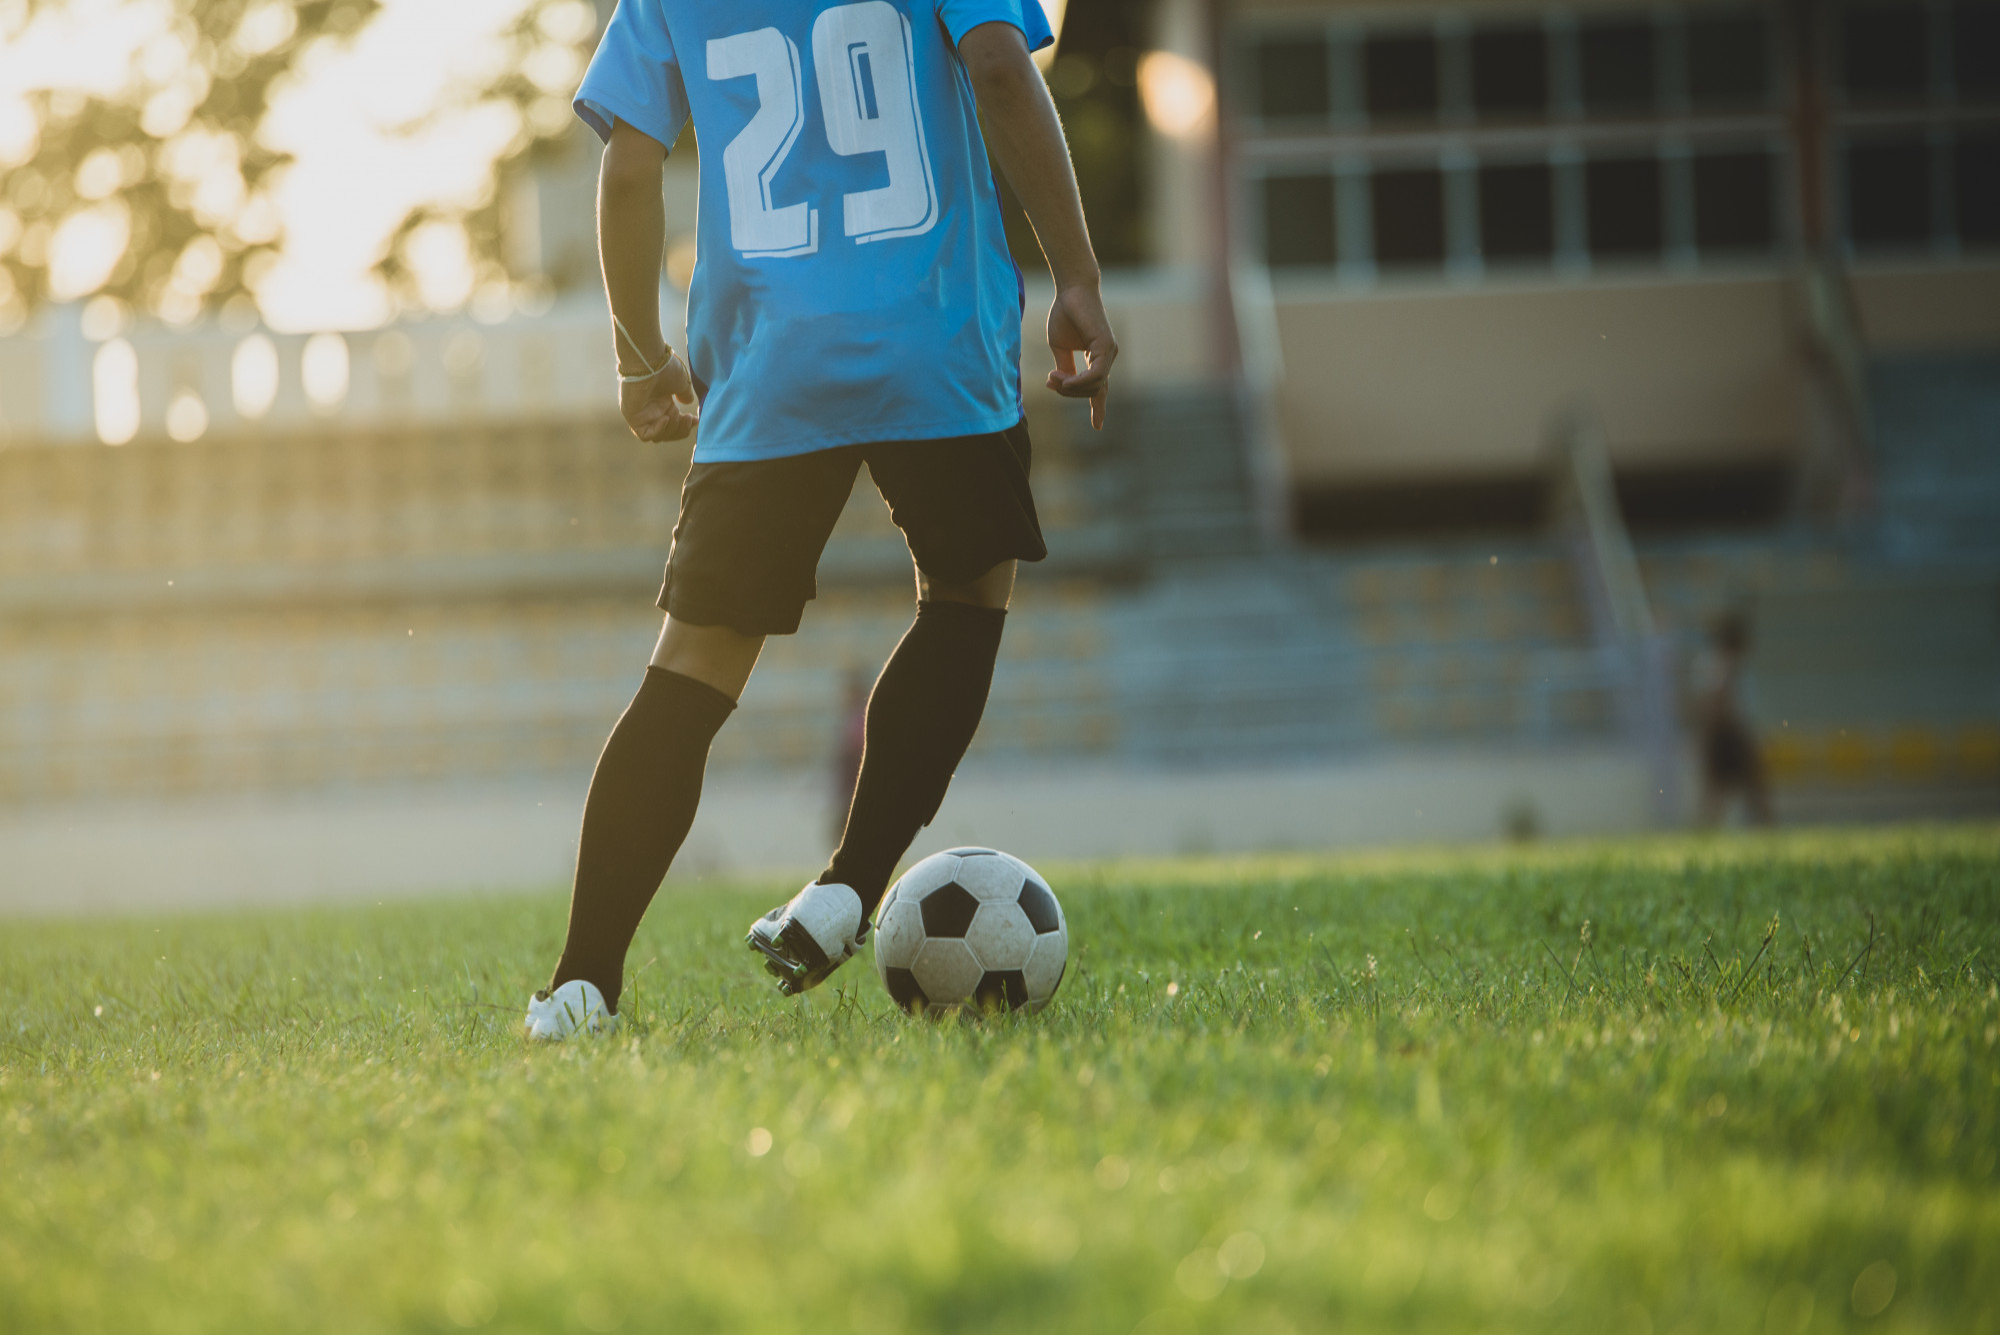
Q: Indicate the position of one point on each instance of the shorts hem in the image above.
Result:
(740, 621)
(791, 449)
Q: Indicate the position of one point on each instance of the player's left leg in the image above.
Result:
(921, 716)
(965, 508)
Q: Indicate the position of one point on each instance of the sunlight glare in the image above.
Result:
(100, 174)
(115, 391)
(253, 377)
(264, 27)
(553, 68)
(1054, 10)
(88, 45)
(442, 263)
(359, 166)
(323, 368)
(104, 317)
(209, 167)
(568, 21)
(13, 310)
(19, 132)
(86, 247)
(1179, 94)
(187, 416)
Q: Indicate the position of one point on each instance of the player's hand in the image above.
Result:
(652, 408)
(1077, 323)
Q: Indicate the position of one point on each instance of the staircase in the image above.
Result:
(1184, 451)
(1937, 436)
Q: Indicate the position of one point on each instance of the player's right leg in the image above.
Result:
(741, 568)
(642, 800)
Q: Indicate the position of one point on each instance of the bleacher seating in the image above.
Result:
(348, 608)
(351, 607)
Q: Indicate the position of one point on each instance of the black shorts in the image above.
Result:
(748, 541)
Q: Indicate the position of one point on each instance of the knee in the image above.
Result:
(992, 589)
(971, 594)
(713, 655)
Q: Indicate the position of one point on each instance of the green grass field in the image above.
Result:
(1656, 1087)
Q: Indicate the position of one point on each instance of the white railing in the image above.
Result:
(59, 385)
(63, 383)
(1638, 654)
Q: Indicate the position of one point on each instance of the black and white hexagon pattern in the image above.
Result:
(971, 927)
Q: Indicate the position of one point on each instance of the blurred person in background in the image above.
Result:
(1731, 761)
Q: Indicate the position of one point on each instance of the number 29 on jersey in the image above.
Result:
(864, 64)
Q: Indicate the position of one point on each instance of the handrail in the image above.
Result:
(1585, 510)
(1837, 471)
(1586, 507)
(1262, 345)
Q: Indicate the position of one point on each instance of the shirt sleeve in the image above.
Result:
(962, 16)
(635, 76)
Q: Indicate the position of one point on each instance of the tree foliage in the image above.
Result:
(173, 158)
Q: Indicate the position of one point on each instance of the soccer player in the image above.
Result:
(1731, 761)
(853, 302)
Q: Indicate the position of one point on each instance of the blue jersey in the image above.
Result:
(852, 282)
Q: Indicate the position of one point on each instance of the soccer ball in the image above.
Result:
(971, 927)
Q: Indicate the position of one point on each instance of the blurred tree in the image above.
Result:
(169, 174)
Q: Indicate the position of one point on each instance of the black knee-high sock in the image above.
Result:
(921, 717)
(642, 800)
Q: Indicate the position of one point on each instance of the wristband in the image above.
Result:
(652, 371)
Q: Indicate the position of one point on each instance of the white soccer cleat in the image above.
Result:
(804, 941)
(576, 1005)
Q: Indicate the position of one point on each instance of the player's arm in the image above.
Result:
(631, 233)
(1027, 140)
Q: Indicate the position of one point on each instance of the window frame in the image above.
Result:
(1459, 142)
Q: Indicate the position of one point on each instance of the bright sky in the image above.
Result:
(357, 173)
(358, 169)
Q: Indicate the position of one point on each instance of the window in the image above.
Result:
(1408, 211)
(1975, 45)
(1402, 76)
(1733, 199)
(1298, 219)
(1884, 52)
(1618, 69)
(1889, 193)
(1517, 218)
(1684, 154)
(1976, 159)
(1729, 60)
(1622, 206)
(1291, 77)
(1510, 72)
(1937, 175)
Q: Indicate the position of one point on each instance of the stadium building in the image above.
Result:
(1474, 357)
(1691, 220)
